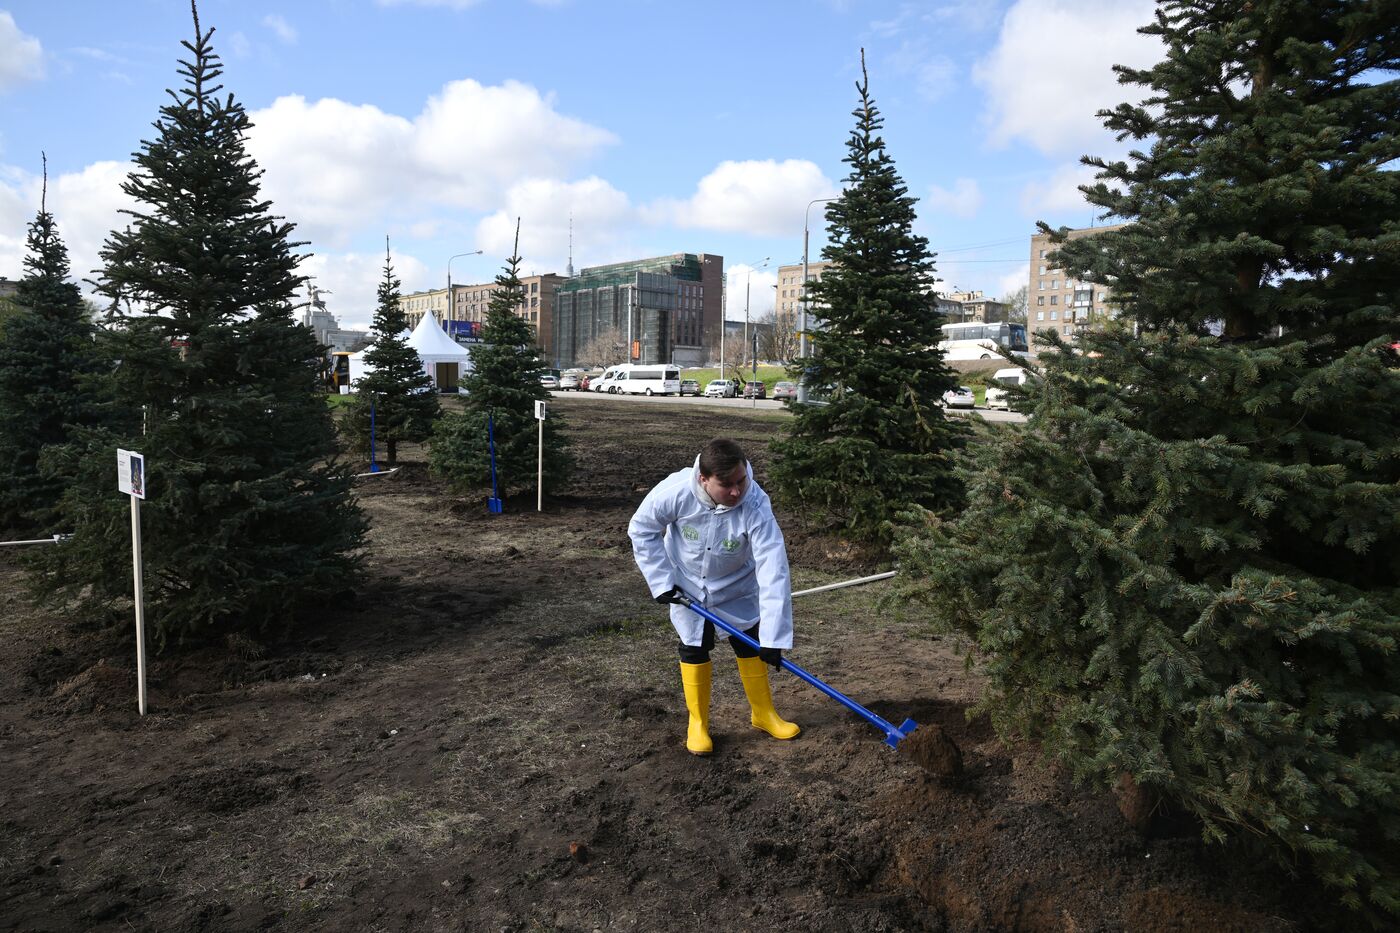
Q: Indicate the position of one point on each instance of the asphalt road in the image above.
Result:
(763, 404)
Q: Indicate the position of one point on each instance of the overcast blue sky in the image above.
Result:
(661, 127)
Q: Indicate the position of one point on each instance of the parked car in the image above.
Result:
(785, 391)
(755, 389)
(721, 388)
(549, 381)
(568, 381)
(997, 396)
(959, 397)
(690, 387)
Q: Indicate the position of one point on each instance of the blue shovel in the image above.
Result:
(893, 736)
(493, 504)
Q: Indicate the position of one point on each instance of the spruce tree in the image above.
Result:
(396, 390)
(881, 445)
(249, 514)
(1188, 569)
(47, 357)
(502, 389)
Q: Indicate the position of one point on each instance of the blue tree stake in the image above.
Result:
(494, 503)
(373, 467)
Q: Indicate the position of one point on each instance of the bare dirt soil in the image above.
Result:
(490, 736)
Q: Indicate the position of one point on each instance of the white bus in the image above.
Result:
(631, 379)
(974, 341)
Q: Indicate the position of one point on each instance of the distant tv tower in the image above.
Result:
(569, 269)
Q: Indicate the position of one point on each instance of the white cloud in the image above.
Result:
(932, 74)
(331, 166)
(1059, 194)
(86, 208)
(963, 200)
(602, 220)
(1017, 278)
(755, 283)
(1051, 70)
(239, 45)
(353, 282)
(762, 198)
(281, 28)
(21, 56)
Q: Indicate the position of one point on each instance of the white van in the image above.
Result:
(997, 396)
(632, 379)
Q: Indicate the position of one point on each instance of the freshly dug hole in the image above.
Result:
(931, 749)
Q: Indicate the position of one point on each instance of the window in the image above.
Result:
(1040, 315)
(1054, 283)
(1054, 315)
(1042, 254)
(1042, 285)
(1054, 299)
(1040, 300)
(1042, 265)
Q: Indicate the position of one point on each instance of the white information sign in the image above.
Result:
(131, 479)
(539, 410)
(131, 473)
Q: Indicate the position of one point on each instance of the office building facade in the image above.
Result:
(666, 309)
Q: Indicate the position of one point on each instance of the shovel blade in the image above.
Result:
(494, 505)
(894, 738)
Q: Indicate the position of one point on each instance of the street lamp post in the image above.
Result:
(802, 323)
(748, 276)
(748, 346)
(475, 252)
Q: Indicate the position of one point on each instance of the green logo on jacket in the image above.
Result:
(690, 533)
(730, 545)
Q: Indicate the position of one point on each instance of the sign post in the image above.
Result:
(131, 479)
(539, 480)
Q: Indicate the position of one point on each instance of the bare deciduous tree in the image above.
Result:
(603, 349)
(777, 336)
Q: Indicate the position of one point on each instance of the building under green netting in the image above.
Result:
(660, 310)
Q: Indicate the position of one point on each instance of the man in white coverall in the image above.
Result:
(708, 531)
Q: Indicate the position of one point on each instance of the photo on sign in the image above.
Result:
(138, 475)
(131, 473)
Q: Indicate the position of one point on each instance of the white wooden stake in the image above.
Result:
(140, 604)
(539, 479)
(836, 586)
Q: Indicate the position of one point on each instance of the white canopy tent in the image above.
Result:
(444, 359)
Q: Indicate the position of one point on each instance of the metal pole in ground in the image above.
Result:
(140, 601)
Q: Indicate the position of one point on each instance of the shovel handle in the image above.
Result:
(893, 734)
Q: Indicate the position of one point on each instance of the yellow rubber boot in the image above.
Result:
(754, 673)
(695, 678)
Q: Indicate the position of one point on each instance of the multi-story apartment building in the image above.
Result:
(1055, 302)
(469, 303)
(790, 290)
(668, 308)
(790, 286)
(970, 307)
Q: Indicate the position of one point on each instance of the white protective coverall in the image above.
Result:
(732, 560)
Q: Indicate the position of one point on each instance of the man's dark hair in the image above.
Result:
(720, 457)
